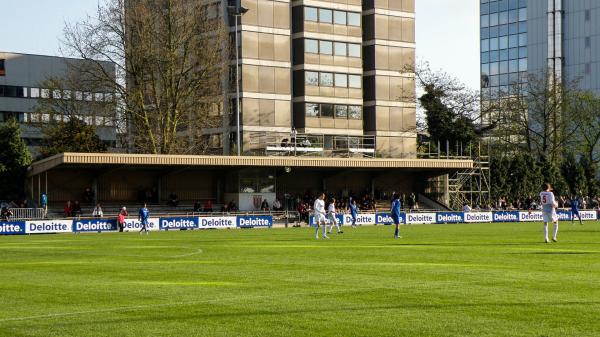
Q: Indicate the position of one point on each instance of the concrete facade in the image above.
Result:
(22, 86)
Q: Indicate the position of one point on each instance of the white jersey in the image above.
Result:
(331, 209)
(547, 201)
(319, 207)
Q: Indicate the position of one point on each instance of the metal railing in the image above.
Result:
(27, 213)
(311, 145)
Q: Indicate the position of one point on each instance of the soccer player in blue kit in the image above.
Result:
(353, 212)
(143, 216)
(395, 211)
(575, 210)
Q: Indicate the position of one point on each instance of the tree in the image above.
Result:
(171, 60)
(14, 160)
(574, 174)
(536, 116)
(452, 110)
(74, 135)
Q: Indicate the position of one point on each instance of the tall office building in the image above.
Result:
(535, 36)
(23, 82)
(335, 71)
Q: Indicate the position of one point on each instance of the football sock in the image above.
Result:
(546, 231)
(555, 230)
(397, 232)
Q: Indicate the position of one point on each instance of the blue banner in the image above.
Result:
(505, 216)
(386, 218)
(564, 215)
(12, 228)
(95, 225)
(450, 217)
(255, 221)
(178, 223)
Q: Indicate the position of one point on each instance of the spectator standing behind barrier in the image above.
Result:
(264, 206)
(412, 201)
(97, 211)
(143, 216)
(277, 205)
(121, 218)
(466, 207)
(68, 209)
(77, 209)
(44, 203)
(208, 207)
(88, 195)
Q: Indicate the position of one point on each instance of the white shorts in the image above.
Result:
(332, 219)
(550, 216)
(319, 218)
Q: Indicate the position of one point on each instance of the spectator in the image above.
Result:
(277, 205)
(88, 195)
(76, 211)
(303, 211)
(197, 206)
(232, 207)
(466, 207)
(68, 209)
(97, 213)
(284, 142)
(208, 207)
(412, 200)
(5, 214)
(121, 218)
(44, 203)
(173, 201)
(264, 206)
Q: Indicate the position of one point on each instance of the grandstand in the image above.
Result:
(118, 180)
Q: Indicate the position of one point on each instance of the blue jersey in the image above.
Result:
(44, 199)
(396, 205)
(575, 205)
(144, 215)
(353, 210)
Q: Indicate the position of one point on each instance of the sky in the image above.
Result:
(447, 31)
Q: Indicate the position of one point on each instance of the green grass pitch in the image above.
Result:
(439, 280)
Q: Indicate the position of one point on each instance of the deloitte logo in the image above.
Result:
(8, 228)
(256, 221)
(178, 223)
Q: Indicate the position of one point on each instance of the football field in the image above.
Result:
(438, 280)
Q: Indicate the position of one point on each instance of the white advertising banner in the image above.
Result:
(218, 222)
(478, 217)
(420, 218)
(134, 225)
(361, 219)
(49, 226)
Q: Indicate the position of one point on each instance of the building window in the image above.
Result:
(341, 111)
(339, 18)
(354, 81)
(588, 15)
(353, 19)
(311, 46)
(588, 42)
(355, 112)
(353, 50)
(34, 92)
(311, 14)
(341, 80)
(2, 69)
(340, 49)
(326, 110)
(588, 68)
(312, 78)
(325, 15)
(326, 47)
(312, 110)
(326, 79)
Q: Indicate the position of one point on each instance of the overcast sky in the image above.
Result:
(447, 31)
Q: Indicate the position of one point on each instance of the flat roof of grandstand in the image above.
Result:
(149, 160)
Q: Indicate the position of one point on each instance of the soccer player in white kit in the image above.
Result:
(331, 215)
(319, 213)
(549, 206)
